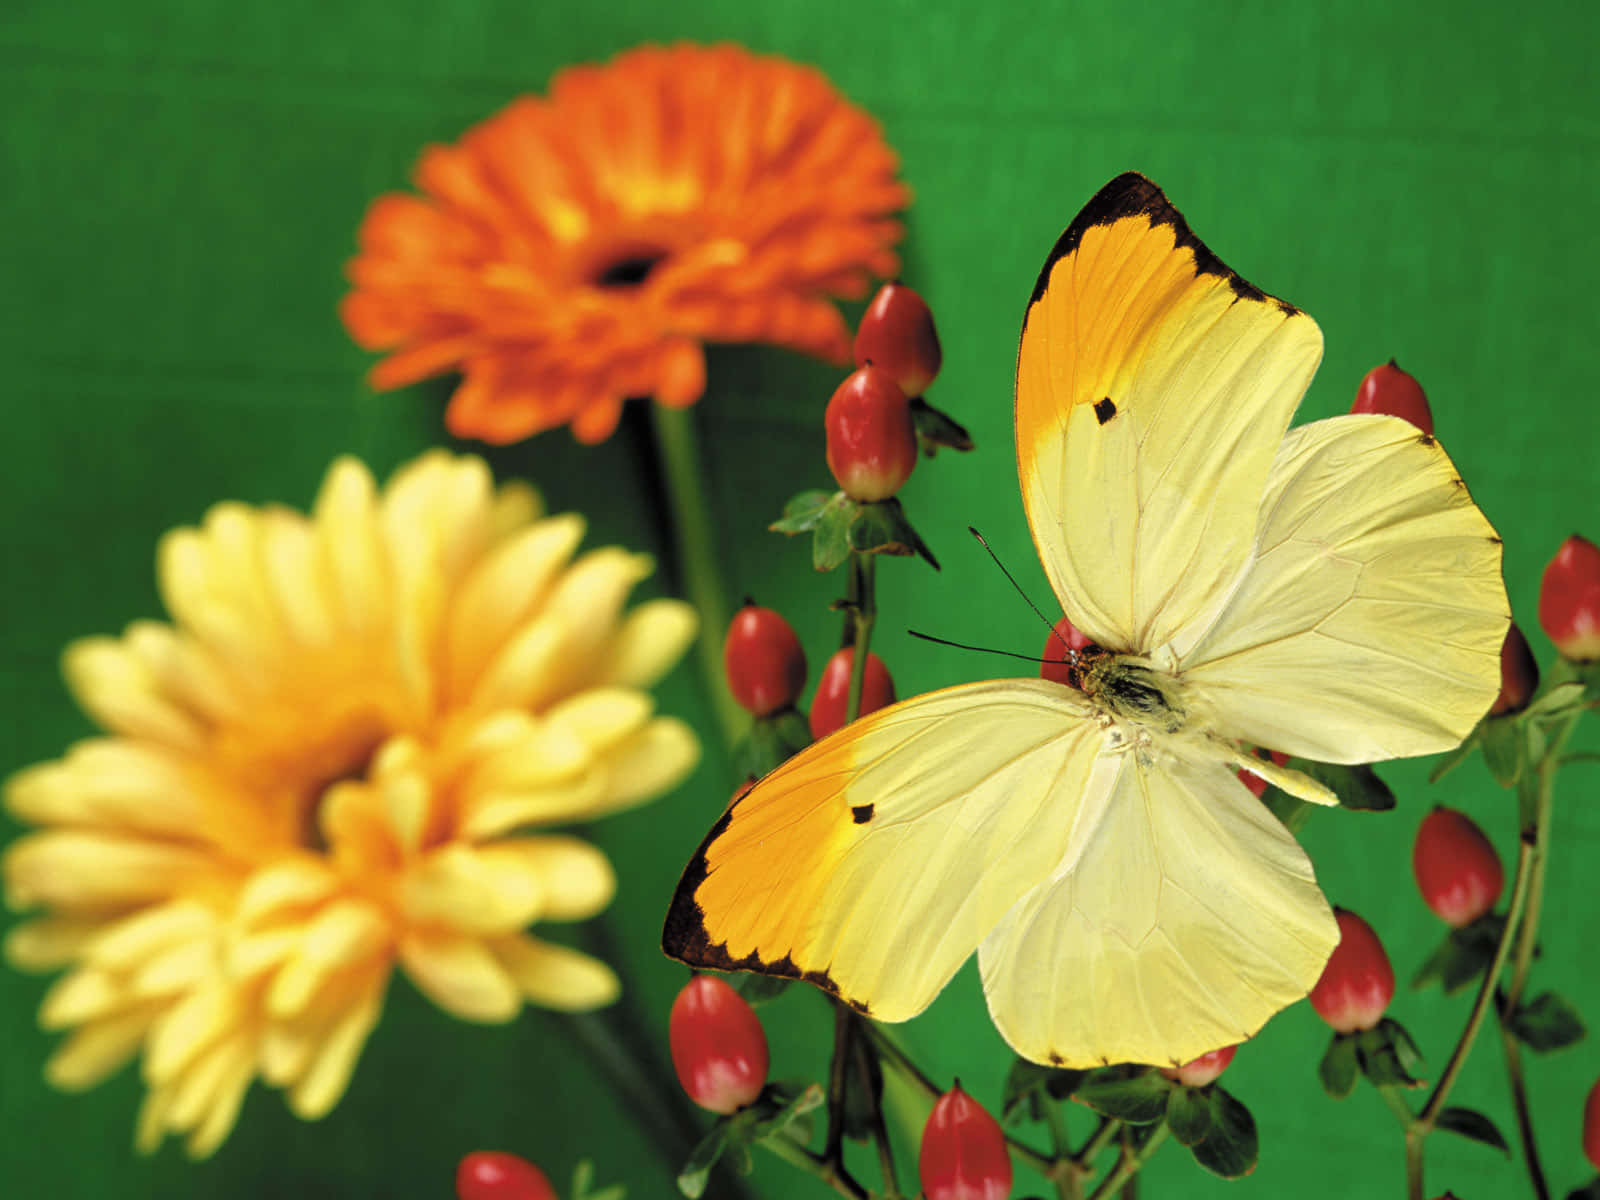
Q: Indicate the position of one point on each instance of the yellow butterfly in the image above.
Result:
(1330, 591)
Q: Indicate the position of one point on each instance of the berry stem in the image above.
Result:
(1535, 840)
(863, 610)
(694, 544)
(862, 1057)
(1128, 1166)
(1418, 1128)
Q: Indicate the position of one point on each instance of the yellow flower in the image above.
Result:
(328, 765)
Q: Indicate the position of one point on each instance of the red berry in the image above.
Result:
(1591, 1126)
(1388, 389)
(1358, 982)
(872, 440)
(1457, 869)
(1056, 660)
(897, 335)
(496, 1175)
(833, 690)
(765, 664)
(963, 1153)
(718, 1046)
(1569, 600)
(1519, 674)
(1200, 1071)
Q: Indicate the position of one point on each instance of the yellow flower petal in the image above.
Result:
(556, 977)
(119, 692)
(46, 943)
(125, 944)
(346, 519)
(213, 1128)
(653, 761)
(187, 672)
(493, 813)
(651, 640)
(602, 717)
(187, 1028)
(474, 890)
(288, 884)
(496, 595)
(130, 785)
(210, 1075)
(328, 1074)
(253, 954)
(97, 1050)
(522, 667)
(296, 581)
(345, 934)
(80, 870)
(577, 880)
(516, 504)
(460, 975)
(84, 995)
(176, 969)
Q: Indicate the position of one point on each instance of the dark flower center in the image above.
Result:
(629, 271)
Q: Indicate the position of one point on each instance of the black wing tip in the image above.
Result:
(1131, 195)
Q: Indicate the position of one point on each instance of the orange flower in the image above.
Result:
(574, 251)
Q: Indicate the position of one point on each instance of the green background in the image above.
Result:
(182, 183)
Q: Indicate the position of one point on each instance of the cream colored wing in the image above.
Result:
(874, 862)
(1370, 622)
(1153, 386)
(1188, 919)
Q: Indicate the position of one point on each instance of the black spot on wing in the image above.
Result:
(1130, 195)
(1104, 410)
(685, 938)
(1427, 439)
(861, 813)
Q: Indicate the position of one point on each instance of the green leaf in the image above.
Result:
(1589, 1191)
(1547, 1023)
(1454, 759)
(1189, 1114)
(935, 428)
(831, 544)
(692, 1178)
(861, 1103)
(1463, 956)
(1504, 750)
(802, 512)
(583, 1181)
(1405, 1048)
(1025, 1084)
(772, 741)
(1380, 1059)
(881, 527)
(1231, 1148)
(1357, 787)
(1556, 701)
(1139, 1100)
(1337, 1070)
(782, 1104)
(1473, 1126)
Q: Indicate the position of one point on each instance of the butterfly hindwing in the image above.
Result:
(1190, 917)
(1153, 387)
(873, 863)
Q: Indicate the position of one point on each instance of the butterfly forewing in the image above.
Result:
(1153, 387)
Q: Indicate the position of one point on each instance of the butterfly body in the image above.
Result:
(1329, 591)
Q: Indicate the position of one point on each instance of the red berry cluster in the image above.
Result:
(1357, 983)
(766, 670)
(871, 432)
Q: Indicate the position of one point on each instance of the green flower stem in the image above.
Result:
(1102, 1137)
(863, 615)
(1397, 1105)
(797, 1155)
(862, 1057)
(1128, 1166)
(694, 540)
(1418, 1128)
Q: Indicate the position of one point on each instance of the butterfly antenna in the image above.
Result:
(1048, 623)
(928, 637)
